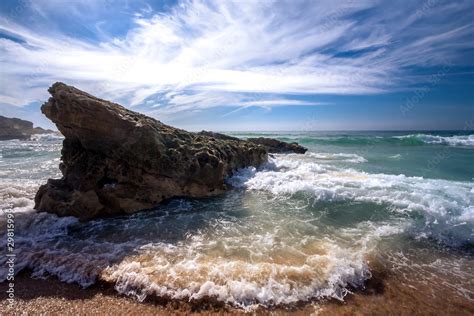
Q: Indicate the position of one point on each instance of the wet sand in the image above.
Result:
(384, 294)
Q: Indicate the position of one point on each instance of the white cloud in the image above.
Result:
(201, 55)
(279, 102)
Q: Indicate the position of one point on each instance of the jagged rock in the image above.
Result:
(271, 144)
(15, 128)
(276, 146)
(118, 161)
(217, 135)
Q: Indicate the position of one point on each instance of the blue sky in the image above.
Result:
(248, 65)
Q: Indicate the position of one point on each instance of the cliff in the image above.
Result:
(15, 128)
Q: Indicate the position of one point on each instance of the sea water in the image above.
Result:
(299, 228)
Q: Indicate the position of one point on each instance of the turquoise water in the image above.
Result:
(301, 227)
(437, 155)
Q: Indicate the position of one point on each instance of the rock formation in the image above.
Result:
(276, 146)
(118, 161)
(272, 145)
(217, 135)
(15, 128)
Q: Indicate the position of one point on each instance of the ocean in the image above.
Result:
(299, 229)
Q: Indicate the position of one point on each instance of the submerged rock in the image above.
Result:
(276, 146)
(15, 128)
(118, 161)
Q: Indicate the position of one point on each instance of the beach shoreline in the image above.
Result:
(382, 294)
(298, 231)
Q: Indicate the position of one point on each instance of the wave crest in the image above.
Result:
(457, 140)
(446, 206)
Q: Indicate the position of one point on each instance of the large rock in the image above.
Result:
(118, 161)
(15, 128)
(277, 146)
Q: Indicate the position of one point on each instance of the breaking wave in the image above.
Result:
(186, 251)
(282, 237)
(445, 207)
(46, 137)
(337, 157)
(457, 140)
(404, 140)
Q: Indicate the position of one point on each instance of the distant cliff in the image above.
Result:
(15, 128)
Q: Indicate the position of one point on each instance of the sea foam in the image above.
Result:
(456, 140)
(447, 206)
(260, 245)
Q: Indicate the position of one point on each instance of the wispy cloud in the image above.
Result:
(198, 55)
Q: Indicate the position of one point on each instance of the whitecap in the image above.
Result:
(337, 157)
(456, 140)
(447, 202)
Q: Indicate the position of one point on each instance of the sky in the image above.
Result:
(247, 65)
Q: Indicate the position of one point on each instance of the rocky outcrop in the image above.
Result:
(217, 135)
(272, 145)
(15, 128)
(118, 161)
(276, 146)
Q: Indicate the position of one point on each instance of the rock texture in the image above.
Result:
(276, 146)
(272, 145)
(118, 161)
(15, 128)
(217, 135)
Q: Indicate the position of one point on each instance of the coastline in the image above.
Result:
(383, 294)
(412, 274)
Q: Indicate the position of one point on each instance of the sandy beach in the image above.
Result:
(383, 294)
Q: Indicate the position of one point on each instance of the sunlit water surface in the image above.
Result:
(300, 228)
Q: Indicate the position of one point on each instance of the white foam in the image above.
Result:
(46, 137)
(42, 243)
(447, 202)
(335, 157)
(187, 269)
(272, 255)
(456, 140)
(238, 282)
(318, 268)
(397, 156)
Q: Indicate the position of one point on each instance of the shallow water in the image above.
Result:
(300, 228)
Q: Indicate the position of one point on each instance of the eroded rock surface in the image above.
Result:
(276, 146)
(271, 144)
(217, 135)
(118, 161)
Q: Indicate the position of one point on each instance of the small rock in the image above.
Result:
(276, 146)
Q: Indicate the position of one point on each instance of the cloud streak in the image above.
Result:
(198, 55)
